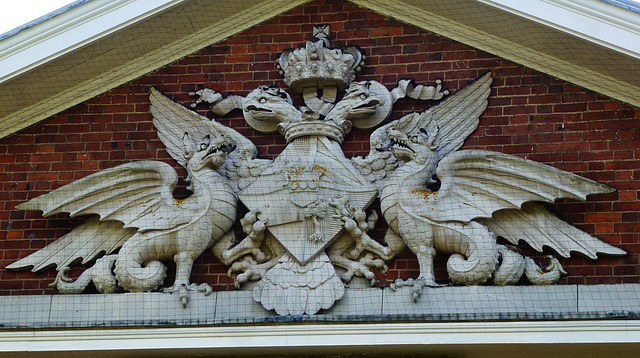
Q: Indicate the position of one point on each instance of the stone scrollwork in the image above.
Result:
(310, 208)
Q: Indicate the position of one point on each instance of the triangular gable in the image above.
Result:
(592, 44)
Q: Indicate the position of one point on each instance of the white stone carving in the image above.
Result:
(436, 198)
(134, 208)
(303, 194)
(308, 207)
(316, 64)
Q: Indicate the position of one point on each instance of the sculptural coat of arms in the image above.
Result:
(309, 209)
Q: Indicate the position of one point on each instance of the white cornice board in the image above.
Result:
(619, 338)
(81, 25)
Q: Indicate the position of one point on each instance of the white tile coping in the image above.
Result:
(358, 305)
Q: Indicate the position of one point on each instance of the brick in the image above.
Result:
(239, 58)
(574, 107)
(119, 108)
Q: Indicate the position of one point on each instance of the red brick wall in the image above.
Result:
(530, 114)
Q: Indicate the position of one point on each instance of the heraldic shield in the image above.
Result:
(305, 193)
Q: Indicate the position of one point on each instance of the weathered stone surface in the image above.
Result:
(359, 304)
(152, 226)
(483, 301)
(612, 298)
(444, 200)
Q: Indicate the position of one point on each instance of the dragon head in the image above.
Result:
(267, 106)
(359, 102)
(209, 152)
(417, 146)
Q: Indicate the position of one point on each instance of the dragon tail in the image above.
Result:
(514, 265)
(100, 274)
(477, 262)
(511, 267)
(544, 276)
(134, 272)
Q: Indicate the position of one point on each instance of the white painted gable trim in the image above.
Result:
(420, 14)
(592, 20)
(80, 91)
(601, 24)
(71, 30)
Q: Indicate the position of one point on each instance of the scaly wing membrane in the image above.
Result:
(86, 241)
(173, 120)
(123, 200)
(539, 227)
(452, 120)
(498, 190)
(131, 193)
(476, 183)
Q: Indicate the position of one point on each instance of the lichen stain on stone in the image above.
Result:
(426, 194)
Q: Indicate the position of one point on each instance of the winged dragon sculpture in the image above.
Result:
(436, 198)
(131, 208)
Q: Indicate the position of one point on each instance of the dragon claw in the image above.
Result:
(362, 267)
(353, 254)
(183, 290)
(184, 295)
(347, 276)
(250, 270)
(204, 288)
(417, 285)
(251, 245)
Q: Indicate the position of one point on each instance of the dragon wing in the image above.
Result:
(85, 241)
(539, 227)
(128, 198)
(476, 183)
(452, 120)
(173, 120)
(496, 189)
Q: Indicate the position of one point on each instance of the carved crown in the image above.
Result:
(329, 129)
(317, 65)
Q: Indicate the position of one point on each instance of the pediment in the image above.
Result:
(90, 50)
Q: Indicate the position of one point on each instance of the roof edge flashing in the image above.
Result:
(598, 22)
(67, 31)
(625, 4)
(42, 18)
